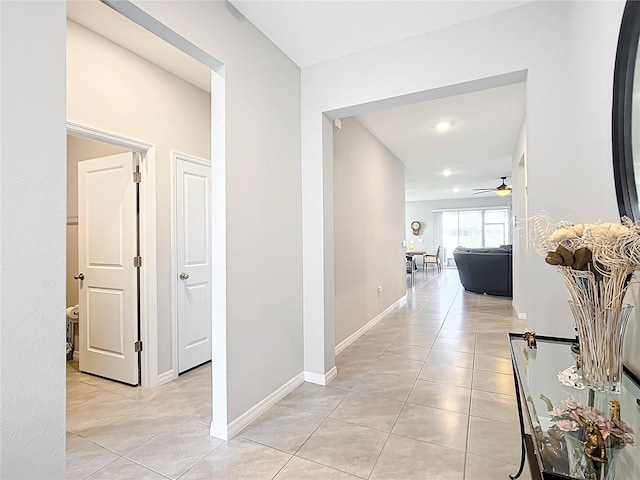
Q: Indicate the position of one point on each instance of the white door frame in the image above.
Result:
(175, 156)
(148, 278)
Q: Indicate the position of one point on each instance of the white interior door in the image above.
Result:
(107, 245)
(193, 260)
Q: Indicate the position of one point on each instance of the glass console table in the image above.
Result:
(551, 453)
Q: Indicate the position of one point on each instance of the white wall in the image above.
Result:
(567, 50)
(368, 189)
(32, 248)
(592, 54)
(423, 212)
(264, 214)
(112, 89)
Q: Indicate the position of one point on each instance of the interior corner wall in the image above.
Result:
(263, 183)
(567, 50)
(368, 187)
(32, 245)
(112, 89)
(520, 224)
(423, 211)
(326, 342)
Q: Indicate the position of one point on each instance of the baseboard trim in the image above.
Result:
(520, 315)
(76, 355)
(227, 432)
(219, 430)
(320, 379)
(167, 376)
(372, 323)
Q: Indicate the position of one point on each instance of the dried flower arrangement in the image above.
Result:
(597, 263)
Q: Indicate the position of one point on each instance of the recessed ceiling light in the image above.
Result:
(443, 126)
(446, 172)
(456, 189)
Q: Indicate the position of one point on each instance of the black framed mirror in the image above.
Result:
(626, 114)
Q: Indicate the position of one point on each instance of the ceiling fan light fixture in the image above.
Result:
(446, 172)
(503, 189)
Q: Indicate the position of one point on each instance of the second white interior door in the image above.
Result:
(193, 260)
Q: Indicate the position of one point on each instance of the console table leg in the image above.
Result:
(513, 476)
(523, 451)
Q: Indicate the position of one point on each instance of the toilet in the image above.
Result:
(73, 313)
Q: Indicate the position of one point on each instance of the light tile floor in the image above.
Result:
(425, 394)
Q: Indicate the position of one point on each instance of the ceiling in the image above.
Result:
(487, 123)
(477, 149)
(312, 31)
(105, 21)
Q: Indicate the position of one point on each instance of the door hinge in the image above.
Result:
(137, 261)
(137, 177)
(137, 347)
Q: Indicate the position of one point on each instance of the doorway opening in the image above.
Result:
(103, 245)
(416, 188)
(172, 55)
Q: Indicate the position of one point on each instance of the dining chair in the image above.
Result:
(433, 259)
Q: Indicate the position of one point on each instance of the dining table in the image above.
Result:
(413, 254)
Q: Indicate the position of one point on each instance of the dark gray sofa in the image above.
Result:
(485, 270)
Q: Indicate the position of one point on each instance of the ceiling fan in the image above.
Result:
(501, 190)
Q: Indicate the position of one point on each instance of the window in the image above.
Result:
(474, 228)
(495, 228)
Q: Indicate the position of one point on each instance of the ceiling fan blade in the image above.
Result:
(500, 189)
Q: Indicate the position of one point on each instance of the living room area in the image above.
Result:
(470, 222)
(472, 236)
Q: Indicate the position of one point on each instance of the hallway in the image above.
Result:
(426, 394)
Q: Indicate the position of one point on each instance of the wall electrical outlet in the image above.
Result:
(380, 289)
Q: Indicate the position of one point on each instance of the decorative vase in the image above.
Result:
(576, 457)
(601, 333)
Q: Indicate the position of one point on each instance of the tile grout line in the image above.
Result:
(466, 444)
(102, 468)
